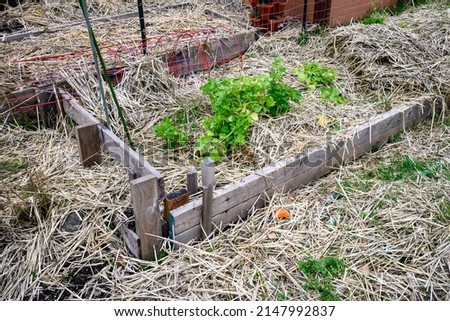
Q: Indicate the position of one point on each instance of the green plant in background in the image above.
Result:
(375, 16)
(402, 5)
(173, 135)
(302, 38)
(316, 75)
(333, 95)
(8, 168)
(176, 128)
(236, 104)
(319, 275)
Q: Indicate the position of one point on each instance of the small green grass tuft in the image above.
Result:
(405, 167)
(396, 138)
(356, 184)
(444, 212)
(320, 273)
(302, 39)
(8, 168)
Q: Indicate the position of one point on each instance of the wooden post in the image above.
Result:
(145, 197)
(206, 221)
(207, 168)
(89, 144)
(47, 109)
(192, 184)
(208, 182)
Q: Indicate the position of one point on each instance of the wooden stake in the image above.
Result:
(47, 112)
(192, 184)
(89, 144)
(206, 221)
(131, 240)
(207, 168)
(145, 196)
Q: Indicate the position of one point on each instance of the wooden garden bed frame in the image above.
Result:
(201, 217)
(234, 201)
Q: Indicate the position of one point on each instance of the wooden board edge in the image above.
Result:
(418, 113)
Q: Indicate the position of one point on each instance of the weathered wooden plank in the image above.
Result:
(235, 199)
(75, 111)
(131, 240)
(47, 111)
(207, 204)
(192, 184)
(233, 214)
(145, 198)
(88, 144)
(211, 53)
(249, 186)
(130, 159)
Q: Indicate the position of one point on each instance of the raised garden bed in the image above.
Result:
(149, 92)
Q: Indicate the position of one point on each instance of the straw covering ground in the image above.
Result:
(391, 232)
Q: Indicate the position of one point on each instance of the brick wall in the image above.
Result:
(341, 11)
(345, 11)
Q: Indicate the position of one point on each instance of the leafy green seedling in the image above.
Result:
(332, 94)
(374, 16)
(236, 104)
(174, 136)
(315, 75)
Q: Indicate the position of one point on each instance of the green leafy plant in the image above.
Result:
(173, 135)
(375, 16)
(236, 104)
(332, 94)
(316, 75)
(319, 275)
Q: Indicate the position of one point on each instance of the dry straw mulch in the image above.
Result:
(400, 251)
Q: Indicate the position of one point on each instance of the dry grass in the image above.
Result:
(392, 235)
(398, 250)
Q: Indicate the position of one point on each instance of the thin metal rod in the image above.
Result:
(305, 14)
(97, 68)
(142, 24)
